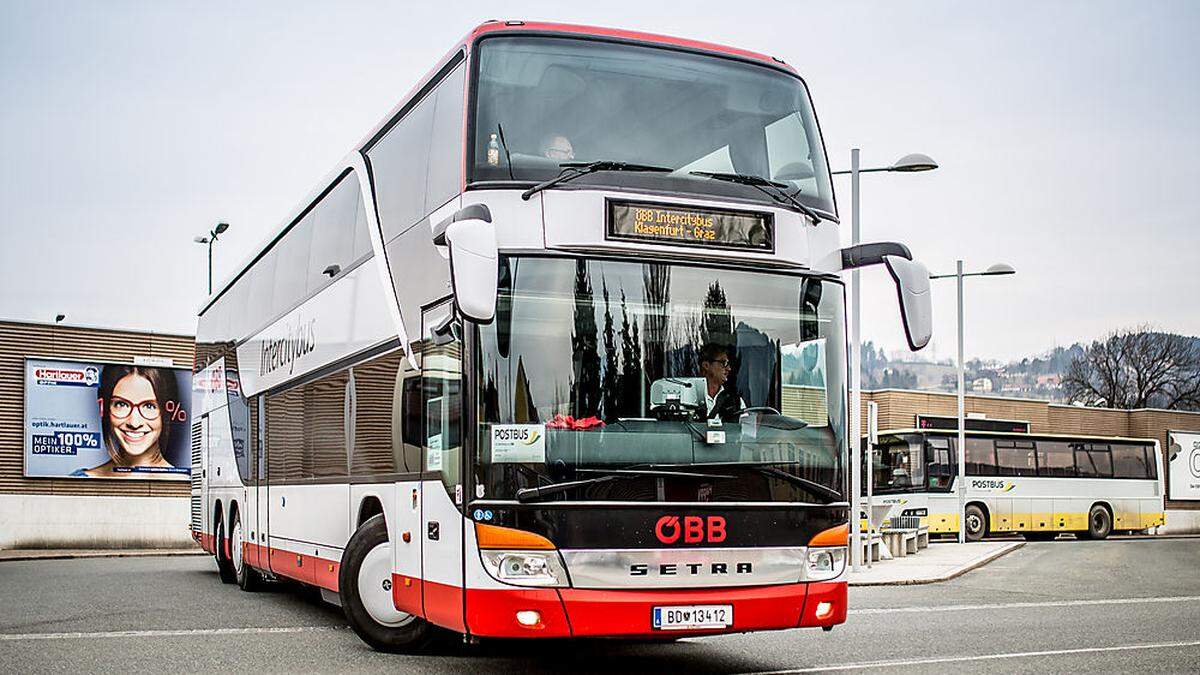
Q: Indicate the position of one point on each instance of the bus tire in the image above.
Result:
(248, 578)
(976, 523)
(1099, 523)
(364, 586)
(224, 564)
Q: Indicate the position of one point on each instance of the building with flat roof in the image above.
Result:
(61, 483)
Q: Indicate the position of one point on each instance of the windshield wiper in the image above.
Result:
(534, 493)
(573, 170)
(762, 184)
(811, 486)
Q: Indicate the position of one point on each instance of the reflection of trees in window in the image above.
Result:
(585, 381)
(632, 384)
(657, 281)
(757, 375)
(524, 410)
(611, 379)
(491, 395)
(717, 326)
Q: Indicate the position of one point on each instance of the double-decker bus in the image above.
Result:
(558, 350)
(1038, 485)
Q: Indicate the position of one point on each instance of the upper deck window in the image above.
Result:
(542, 101)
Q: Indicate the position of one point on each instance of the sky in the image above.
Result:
(1068, 135)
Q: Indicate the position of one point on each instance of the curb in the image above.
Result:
(945, 577)
(19, 555)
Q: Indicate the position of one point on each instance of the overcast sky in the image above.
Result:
(1068, 134)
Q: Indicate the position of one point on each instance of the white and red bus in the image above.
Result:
(558, 350)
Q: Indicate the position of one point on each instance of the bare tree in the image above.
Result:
(1137, 368)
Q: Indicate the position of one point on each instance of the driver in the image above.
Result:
(558, 147)
(720, 401)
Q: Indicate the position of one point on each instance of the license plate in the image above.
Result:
(692, 617)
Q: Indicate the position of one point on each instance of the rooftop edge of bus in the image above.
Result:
(494, 25)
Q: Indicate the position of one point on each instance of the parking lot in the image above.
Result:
(1052, 606)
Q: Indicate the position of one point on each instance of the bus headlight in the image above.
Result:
(525, 568)
(825, 563)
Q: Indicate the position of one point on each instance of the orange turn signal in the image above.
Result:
(834, 536)
(496, 537)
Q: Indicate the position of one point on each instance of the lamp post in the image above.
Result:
(906, 164)
(210, 239)
(961, 481)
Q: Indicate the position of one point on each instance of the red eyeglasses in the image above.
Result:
(122, 408)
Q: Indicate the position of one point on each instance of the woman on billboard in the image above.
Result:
(132, 402)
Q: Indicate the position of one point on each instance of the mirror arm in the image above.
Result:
(864, 255)
(474, 211)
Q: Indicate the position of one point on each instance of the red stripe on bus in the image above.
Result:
(493, 613)
(406, 594)
(833, 592)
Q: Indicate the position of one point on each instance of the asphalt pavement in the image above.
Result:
(1115, 606)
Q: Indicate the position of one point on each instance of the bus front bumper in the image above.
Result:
(571, 612)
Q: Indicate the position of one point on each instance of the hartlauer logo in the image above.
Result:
(691, 529)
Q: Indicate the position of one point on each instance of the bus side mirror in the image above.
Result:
(473, 268)
(916, 305)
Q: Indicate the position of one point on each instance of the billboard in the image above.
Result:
(92, 420)
(1183, 464)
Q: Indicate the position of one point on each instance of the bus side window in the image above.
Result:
(1055, 459)
(941, 466)
(375, 450)
(442, 408)
(1129, 461)
(1093, 460)
(980, 457)
(1015, 458)
(407, 431)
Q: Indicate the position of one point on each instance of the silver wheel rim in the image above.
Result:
(237, 546)
(973, 524)
(375, 587)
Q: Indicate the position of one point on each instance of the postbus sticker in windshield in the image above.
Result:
(518, 443)
(683, 226)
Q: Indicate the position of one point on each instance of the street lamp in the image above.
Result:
(906, 164)
(211, 239)
(997, 269)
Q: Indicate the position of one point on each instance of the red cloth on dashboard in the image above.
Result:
(568, 422)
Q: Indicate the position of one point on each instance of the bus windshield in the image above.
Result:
(645, 372)
(543, 101)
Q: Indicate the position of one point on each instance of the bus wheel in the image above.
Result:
(1099, 523)
(365, 587)
(224, 565)
(976, 523)
(248, 578)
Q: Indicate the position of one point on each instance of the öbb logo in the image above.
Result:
(692, 529)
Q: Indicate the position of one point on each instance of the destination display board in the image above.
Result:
(972, 424)
(677, 225)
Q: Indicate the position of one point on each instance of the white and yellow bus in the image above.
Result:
(1038, 485)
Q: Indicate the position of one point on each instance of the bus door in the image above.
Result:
(200, 465)
(441, 504)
